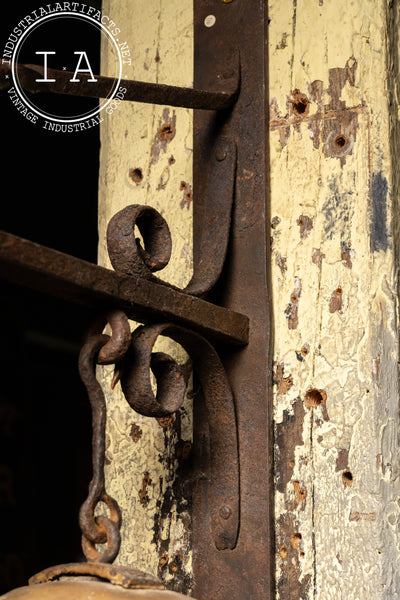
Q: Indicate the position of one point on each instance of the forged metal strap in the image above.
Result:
(139, 91)
(128, 256)
(125, 250)
(216, 218)
(137, 364)
(117, 346)
(100, 529)
(136, 385)
(58, 274)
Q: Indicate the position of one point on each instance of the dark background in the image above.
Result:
(49, 195)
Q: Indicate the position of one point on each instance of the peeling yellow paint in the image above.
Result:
(146, 152)
(346, 312)
(333, 193)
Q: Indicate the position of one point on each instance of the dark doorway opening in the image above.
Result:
(50, 183)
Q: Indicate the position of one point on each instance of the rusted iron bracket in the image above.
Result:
(239, 29)
(55, 273)
(223, 492)
(134, 361)
(232, 503)
(138, 91)
(127, 255)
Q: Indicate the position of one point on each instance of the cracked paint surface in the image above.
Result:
(146, 152)
(336, 403)
(334, 258)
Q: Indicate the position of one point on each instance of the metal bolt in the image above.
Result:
(225, 512)
(221, 153)
(210, 21)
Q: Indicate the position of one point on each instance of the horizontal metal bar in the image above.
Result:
(58, 274)
(137, 91)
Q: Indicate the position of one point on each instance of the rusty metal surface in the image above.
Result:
(215, 221)
(136, 363)
(58, 274)
(248, 570)
(118, 345)
(223, 472)
(127, 254)
(138, 91)
(124, 576)
(243, 568)
(97, 529)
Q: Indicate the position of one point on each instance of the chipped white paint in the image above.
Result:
(345, 342)
(140, 165)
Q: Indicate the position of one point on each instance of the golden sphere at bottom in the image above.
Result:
(87, 590)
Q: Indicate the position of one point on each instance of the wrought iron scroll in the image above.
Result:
(134, 361)
(137, 388)
(128, 255)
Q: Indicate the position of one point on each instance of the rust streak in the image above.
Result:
(290, 585)
(330, 114)
(283, 383)
(336, 301)
(317, 257)
(165, 133)
(289, 435)
(292, 309)
(143, 497)
(306, 224)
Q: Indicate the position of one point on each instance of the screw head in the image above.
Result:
(221, 153)
(210, 21)
(225, 512)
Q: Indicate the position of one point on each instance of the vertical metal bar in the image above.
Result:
(224, 31)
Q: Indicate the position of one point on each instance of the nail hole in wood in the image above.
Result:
(315, 397)
(166, 132)
(136, 175)
(295, 540)
(340, 141)
(299, 108)
(300, 103)
(347, 478)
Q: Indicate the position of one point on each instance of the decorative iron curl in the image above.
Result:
(137, 388)
(128, 256)
(126, 252)
(117, 346)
